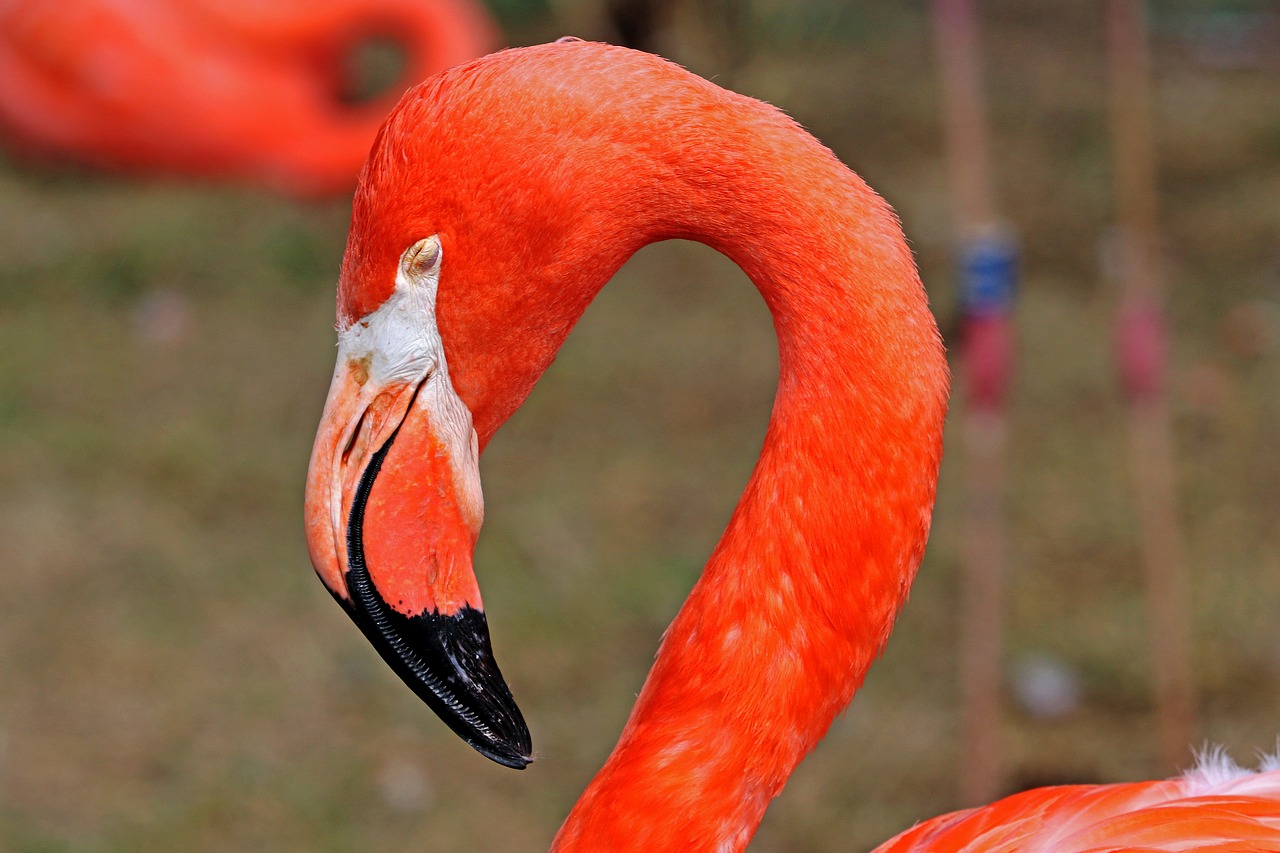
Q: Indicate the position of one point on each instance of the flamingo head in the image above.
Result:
(475, 244)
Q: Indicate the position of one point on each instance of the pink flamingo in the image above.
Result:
(243, 90)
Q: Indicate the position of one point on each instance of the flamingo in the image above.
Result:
(498, 199)
(241, 90)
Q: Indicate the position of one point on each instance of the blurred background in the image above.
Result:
(173, 677)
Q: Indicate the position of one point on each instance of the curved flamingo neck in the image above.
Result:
(801, 592)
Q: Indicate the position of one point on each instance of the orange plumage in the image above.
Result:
(539, 172)
(240, 90)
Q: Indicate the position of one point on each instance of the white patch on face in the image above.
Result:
(400, 343)
(400, 340)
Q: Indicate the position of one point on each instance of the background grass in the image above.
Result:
(172, 677)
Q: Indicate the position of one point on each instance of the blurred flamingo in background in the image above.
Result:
(500, 197)
(244, 90)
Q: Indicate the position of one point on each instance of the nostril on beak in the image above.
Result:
(351, 439)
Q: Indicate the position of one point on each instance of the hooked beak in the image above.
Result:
(393, 509)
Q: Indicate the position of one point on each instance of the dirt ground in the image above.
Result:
(172, 676)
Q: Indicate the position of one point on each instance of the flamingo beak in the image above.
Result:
(393, 509)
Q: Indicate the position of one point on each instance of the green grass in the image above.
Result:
(172, 677)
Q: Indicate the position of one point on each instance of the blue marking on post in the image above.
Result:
(988, 275)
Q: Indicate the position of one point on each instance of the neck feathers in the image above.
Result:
(803, 588)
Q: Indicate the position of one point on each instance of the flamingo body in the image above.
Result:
(499, 198)
(1215, 808)
(239, 90)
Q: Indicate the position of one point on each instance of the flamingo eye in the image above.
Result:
(422, 259)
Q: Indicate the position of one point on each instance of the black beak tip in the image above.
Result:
(448, 662)
(507, 755)
(467, 689)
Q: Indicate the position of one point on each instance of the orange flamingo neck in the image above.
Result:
(801, 593)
